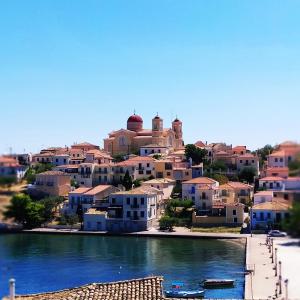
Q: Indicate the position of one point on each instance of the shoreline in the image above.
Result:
(184, 235)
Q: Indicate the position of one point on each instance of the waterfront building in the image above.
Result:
(52, 183)
(87, 197)
(270, 214)
(127, 211)
(130, 140)
(203, 191)
(221, 214)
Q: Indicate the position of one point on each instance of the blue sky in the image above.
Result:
(73, 70)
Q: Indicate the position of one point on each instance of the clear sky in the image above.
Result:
(72, 71)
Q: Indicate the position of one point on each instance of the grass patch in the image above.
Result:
(221, 229)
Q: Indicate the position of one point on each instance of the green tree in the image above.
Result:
(25, 212)
(292, 225)
(118, 158)
(157, 156)
(264, 152)
(196, 154)
(247, 174)
(38, 168)
(218, 165)
(127, 181)
(72, 220)
(222, 179)
(50, 207)
(294, 167)
(167, 223)
(137, 183)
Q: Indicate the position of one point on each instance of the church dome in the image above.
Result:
(135, 123)
(135, 119)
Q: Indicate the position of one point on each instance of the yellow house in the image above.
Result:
(236, 192)
(221, 214)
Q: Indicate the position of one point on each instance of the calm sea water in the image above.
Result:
(41, 263)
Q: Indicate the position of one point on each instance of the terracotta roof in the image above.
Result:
(67, 167)
(142, 190)
(264, 193)
(277, 153)
(139, 289)
(141, 158)
(200, 180)
(275, 205)
(277, 169)
(200, 144)
(272, 178)
(53, 173)
(80, 190)
(97, 189)
(237, 148)
(84, 144)
(159, 180)
(239, 185)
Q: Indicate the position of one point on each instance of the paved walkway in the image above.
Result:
(180, 232)
(289, 255)
(261, 284)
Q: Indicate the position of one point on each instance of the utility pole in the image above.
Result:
(280, 278)
(276, 262)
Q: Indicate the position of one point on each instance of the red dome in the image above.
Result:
(135, 119)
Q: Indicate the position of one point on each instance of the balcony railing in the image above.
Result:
(134, 206)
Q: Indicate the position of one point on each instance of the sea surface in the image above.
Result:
(42, 263)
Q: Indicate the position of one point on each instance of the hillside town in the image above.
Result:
(146, 179)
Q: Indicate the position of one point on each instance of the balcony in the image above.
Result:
(135, 206)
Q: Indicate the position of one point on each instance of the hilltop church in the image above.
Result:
(126, 141)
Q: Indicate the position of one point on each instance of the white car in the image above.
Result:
(277, 233)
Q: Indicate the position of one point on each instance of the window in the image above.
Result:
(146, 151)
(241, 161)
(128, 201)
(142, 201)
(269, 215)
(168, 173)
(56, 160)
(276, 159)
(128, 214)
(142, 214)
(234, 212)
(113, 200)
(254, 215)
(262, 217)
(148, 165)
(122, 141)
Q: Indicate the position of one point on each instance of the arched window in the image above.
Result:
(122, 141)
